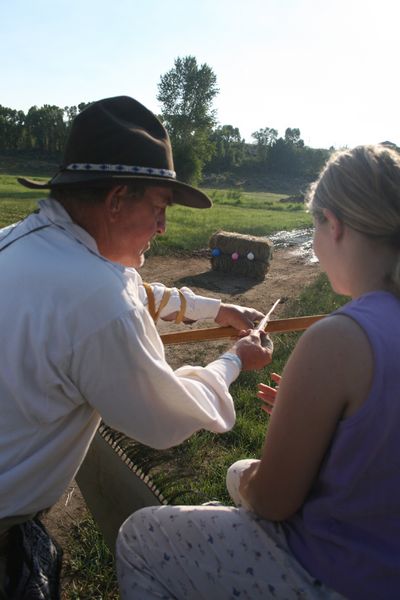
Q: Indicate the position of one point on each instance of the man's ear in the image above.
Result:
(113, 201)
(336, 225)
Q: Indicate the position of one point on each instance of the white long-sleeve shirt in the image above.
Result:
(78, 344)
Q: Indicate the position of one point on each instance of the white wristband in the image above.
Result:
(233, 357)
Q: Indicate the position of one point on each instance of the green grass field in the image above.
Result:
(256, 213)
(207, 455)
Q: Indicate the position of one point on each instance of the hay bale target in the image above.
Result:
(239, 254)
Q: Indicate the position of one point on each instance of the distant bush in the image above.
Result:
(297, 198)
(234, 194)
(217, 196)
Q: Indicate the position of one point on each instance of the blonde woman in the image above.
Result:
(319, 515)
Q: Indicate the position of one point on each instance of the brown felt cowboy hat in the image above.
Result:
(115, 141)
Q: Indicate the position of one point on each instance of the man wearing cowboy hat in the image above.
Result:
(79, 343)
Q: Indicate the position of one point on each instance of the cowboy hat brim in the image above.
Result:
(183, 193)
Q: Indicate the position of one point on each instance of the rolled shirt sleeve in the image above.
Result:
(122, 373)
(197, 307)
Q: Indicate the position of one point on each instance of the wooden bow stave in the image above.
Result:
(217, 333)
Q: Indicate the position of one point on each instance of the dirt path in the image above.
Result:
(288, 274)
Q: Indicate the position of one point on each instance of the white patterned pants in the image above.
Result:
(210, 552)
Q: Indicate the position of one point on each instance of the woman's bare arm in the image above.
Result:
(327, 377)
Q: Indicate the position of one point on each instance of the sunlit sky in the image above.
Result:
(328, 67)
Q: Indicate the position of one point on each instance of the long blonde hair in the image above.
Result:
(362, 188)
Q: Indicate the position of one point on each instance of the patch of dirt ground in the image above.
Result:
(288, 273)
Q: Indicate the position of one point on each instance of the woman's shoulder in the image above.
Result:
(336, 329)
(375, 303)
(342, 354)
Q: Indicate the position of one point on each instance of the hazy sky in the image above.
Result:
(328, 67)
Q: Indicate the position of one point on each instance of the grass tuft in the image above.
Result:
(90, 570)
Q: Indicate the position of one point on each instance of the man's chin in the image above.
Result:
(139, 262)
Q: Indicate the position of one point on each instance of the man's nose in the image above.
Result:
(161, 224)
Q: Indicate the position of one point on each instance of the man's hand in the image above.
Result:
(239, 317)
(254, 350)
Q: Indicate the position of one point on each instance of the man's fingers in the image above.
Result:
(249, 322)
(266, 341)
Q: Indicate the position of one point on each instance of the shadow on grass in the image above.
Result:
(22, 195)
(28, 164)
(219, 282)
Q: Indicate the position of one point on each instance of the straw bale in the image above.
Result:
(229, 242)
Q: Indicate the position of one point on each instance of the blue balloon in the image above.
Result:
(216, 252)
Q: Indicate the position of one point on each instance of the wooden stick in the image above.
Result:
(217, 333)
(265, 320)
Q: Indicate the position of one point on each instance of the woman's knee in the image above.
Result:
(233, 477)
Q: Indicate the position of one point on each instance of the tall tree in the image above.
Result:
(186, 94)
(11, 128)
(292, 136)
(265, 138)
(229, 148)
(46, 129)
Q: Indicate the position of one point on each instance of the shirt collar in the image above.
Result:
(56, 213)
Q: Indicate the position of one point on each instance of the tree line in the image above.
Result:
(42, 129)
(201, 145)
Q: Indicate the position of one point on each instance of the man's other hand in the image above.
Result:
(239, 317)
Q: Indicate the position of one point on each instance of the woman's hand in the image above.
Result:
(267, 394)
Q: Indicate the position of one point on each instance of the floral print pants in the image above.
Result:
(210, 552)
